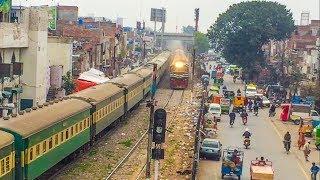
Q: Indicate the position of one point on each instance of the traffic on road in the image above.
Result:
(252, 139)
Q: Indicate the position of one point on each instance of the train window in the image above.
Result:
(50, 143)
(77, 128)
(31, 154)
(61, 137)
(81, 126)
(44, 146)
(7, 164)
(88, 122)
(37, 150)
(71, 131)
(67, 134)
(2, 166)
(84, 123)
(56, 139)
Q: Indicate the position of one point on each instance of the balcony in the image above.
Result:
(13, 35)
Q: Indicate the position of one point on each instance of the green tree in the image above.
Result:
(201, 43)
(241, 31)
(68, 83)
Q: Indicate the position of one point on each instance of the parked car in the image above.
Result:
(210, 148)
(215, 110)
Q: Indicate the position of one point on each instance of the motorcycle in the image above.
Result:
(246, 142)
(272, 113)
(287, 146)
(244, 120)
(255, 112)
(231, 122)
(250, 108)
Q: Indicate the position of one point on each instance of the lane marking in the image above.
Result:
(294, 153)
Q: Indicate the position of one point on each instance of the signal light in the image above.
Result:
(159, 126)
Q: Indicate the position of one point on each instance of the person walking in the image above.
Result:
(306, 150)
(301, 140)
(314, 171)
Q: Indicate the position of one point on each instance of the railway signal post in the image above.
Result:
(151, 104)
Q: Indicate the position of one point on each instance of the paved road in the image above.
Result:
(266, 141)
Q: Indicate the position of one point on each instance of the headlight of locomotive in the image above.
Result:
(179, 64)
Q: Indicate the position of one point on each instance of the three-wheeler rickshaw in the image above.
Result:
(232, 162)
(261, 170)
(225, 105)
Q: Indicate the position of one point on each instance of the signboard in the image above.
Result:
(52, 18)
(158, 15)
(5, 6)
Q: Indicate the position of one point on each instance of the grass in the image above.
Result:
(92, 153)
(127, 143)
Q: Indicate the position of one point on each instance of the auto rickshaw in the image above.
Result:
(225, 105)
(232, 162)
(306, 128)
(238, 103)
(214, 90)
(261, 169)
(216, 99)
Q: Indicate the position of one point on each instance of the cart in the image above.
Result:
(261, 170)
(232, 162)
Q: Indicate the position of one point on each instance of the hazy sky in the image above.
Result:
(179, 12)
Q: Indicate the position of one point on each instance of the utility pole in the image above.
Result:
(163, 26)
(151, 104)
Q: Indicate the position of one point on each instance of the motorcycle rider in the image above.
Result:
(250, 104)
(272, 110)
(232, 116)
(224, 89)
(238, 92)
(246, 133)
(244, 114)
(314, 171)
(287, 140)
(246, 136)
(234, 78)
(256, 108)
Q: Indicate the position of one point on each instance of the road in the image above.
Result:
(266, 141)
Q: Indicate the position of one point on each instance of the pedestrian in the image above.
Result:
(314, 171)
(301, 140)
(306, 150)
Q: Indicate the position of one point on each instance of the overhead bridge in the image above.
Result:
(176, 40)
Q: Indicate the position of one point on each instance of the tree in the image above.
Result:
(188, 29)
(68, 83)
(241, 31)
(201, 43)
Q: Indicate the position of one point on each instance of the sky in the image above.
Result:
(179, 12)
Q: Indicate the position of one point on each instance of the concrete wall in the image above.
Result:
(35, 58)
(60, 52)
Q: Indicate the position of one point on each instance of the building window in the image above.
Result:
(13, 58)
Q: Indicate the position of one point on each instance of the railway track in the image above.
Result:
(173, 100)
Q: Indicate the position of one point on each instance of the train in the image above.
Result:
(38, 138)
(179, 70)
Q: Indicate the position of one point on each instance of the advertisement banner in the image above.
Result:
(5, 6)
(52, 18)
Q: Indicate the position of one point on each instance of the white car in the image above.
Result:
(215, 111)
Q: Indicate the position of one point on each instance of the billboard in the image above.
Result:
(158, 15)
(5, 6)
(52, 18)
